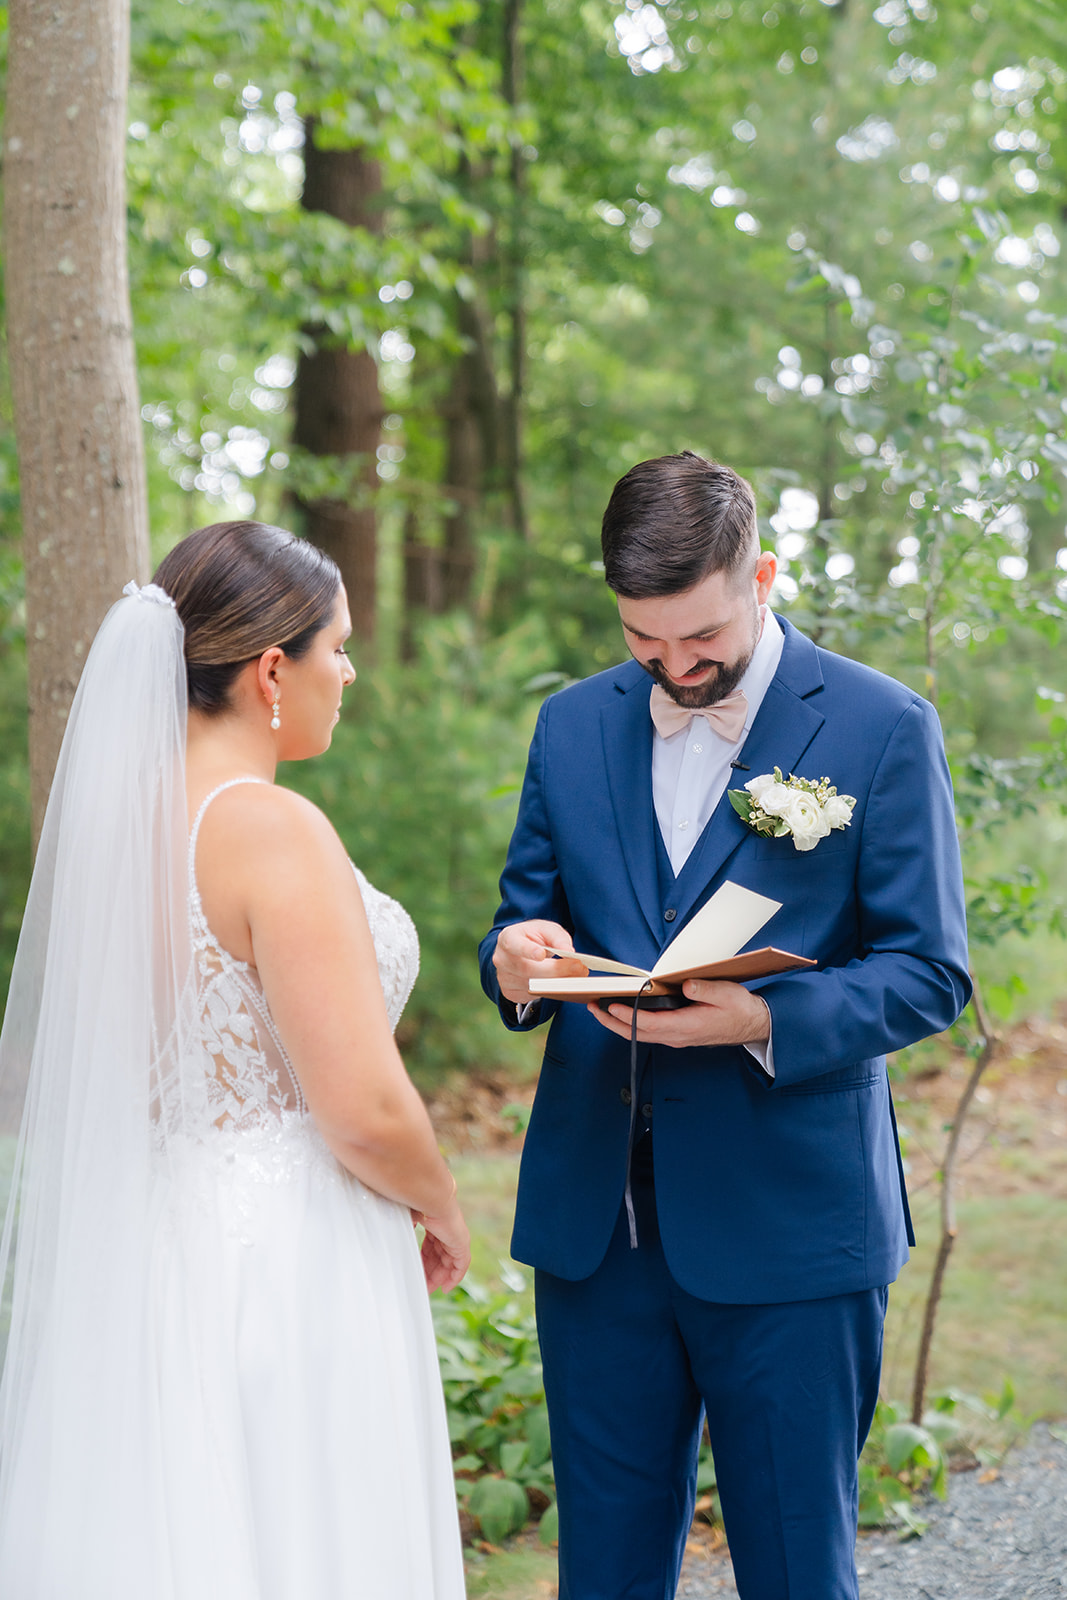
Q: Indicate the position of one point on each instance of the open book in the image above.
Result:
(706, 948)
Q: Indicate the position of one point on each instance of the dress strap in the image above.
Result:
(231, 783)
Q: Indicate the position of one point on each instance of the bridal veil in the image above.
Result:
(96, 1028)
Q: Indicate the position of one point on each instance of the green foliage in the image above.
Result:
(903, 1460)
(500, 1507)
(548, 1527)
(498, 1424)
(517, 1117)
(228, 271)
(818, 241)
(497, 1418)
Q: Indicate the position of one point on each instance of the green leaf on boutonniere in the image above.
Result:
(742, 803)
(746, 808)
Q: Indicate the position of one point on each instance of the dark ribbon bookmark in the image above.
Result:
(630, 1217)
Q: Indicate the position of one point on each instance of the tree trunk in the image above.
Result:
(464, 456)
(338, 400)
(70, 337)
(987, 1049)
(513, 85)
(423, 584)
(470, 417)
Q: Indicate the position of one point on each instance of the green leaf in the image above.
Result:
(903, 1513)
(513, 1456)
(906, 1442)
(706, 1477)
(1004, 1402)
(548, 1527)
(944, 1428)
(741, 802)
(518, 1115)
(535, 1424)
(500, 1507)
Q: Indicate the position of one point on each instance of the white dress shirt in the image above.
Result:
(691, 769)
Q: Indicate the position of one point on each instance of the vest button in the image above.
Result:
(646, 1111)
(625, 1096)
(670, 914)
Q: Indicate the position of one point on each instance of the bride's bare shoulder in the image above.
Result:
(265, 857)
(265, 821)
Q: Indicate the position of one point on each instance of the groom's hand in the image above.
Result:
(724, 1013)
(522, 953)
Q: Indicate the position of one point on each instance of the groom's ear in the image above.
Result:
(766, 570)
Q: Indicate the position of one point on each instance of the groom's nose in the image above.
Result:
(679, 660)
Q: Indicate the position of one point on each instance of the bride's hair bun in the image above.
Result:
(239, 588)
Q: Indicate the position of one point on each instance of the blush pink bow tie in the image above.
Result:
(726, 717)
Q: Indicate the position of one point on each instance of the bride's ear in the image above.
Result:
(267, 672)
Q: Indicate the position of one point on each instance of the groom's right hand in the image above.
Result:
(522, 954)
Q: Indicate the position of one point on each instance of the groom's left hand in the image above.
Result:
(723, 1013)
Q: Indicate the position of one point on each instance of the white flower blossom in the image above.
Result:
(776, 799)
(807, 821)
(838, 810)
(803, 809)
(757, 787)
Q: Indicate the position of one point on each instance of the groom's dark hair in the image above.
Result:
(672, 521)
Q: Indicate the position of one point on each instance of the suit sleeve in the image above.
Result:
(910, 977)
(530, 884)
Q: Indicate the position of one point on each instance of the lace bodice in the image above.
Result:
(248, 1080)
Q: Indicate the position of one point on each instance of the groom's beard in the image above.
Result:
(715, 688)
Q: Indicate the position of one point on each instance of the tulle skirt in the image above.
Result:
(272, 1428)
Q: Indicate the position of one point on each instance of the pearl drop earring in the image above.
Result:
(276, 720)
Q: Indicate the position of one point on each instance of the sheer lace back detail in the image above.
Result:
(249, 1080)
(249, 1083)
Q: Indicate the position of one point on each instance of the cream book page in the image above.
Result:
(730, 919)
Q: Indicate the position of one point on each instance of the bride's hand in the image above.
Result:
(446, 1249)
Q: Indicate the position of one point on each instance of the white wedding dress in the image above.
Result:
(291, 1440)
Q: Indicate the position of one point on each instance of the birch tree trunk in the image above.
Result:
(513, 86)
(70, 338)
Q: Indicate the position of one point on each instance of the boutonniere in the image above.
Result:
(804, 809)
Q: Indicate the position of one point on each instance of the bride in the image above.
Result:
(220, 1381)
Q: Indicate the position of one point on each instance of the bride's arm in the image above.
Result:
(288, 872)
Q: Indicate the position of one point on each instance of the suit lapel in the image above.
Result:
(626, 729)
(784, 727)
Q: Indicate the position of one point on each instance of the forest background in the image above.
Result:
(422, 280)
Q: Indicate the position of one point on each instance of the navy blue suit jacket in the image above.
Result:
(767, 1190)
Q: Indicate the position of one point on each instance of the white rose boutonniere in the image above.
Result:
(803, 809)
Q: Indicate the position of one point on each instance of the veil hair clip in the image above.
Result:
(149, 591)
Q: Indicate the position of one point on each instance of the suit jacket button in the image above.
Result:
(670, 914)
(646, 1112)
(625, 1096)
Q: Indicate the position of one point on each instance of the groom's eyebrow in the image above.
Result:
(701, 633)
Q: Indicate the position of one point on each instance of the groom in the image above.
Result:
(767, 1195)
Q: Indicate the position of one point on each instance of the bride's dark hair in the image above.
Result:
(241, 587)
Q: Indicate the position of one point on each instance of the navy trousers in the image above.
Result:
(632, 1362)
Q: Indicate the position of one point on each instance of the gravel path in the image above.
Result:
(999, 1540)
